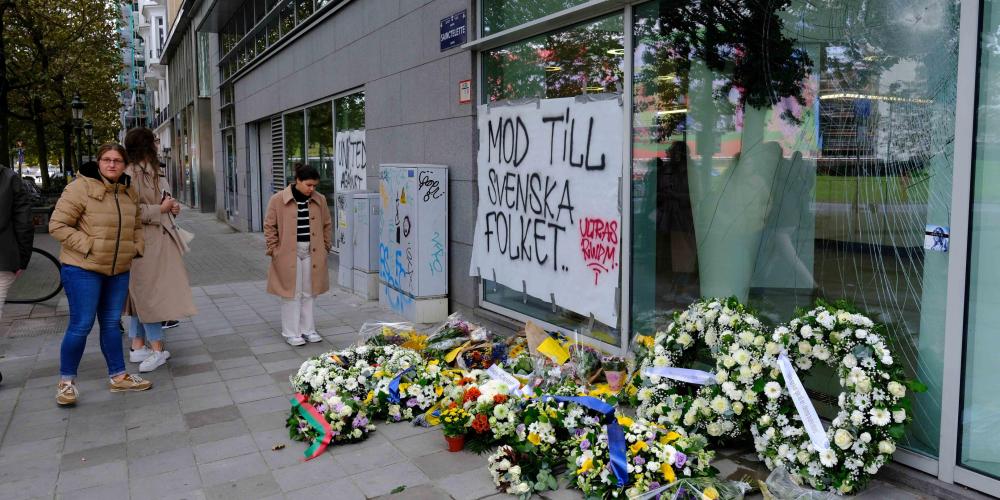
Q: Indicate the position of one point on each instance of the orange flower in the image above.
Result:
(500, 399)
(471, 395)
(481, 423)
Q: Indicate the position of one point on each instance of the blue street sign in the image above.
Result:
(454, 30)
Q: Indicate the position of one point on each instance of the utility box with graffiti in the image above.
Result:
(365, 229)
(344, 237)
(413, 241)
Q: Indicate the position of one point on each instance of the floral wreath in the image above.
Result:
(873, 408)
(733, 335)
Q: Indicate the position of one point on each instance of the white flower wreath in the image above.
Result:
(873, 409)
(740, 350)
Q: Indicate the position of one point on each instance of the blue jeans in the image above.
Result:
(150, 331)
(92, 295)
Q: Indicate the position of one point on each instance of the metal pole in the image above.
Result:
(79, 149)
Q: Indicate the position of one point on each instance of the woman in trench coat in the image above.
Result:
(298, 237)
(159, 289)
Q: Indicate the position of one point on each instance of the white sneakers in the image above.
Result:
(301, 339)
(139, 355)
(153, 361)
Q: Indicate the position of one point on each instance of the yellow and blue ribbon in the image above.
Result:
(616, 436)
(394, 386)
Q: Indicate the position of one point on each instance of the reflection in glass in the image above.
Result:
(499, 15)
(350, 112)
(319, 123)
(294, 131)
(793, 154)
(586, 58)
(980, 448)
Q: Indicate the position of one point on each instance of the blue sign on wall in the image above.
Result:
(454, 30)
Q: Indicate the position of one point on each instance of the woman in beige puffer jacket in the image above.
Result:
(97, 221)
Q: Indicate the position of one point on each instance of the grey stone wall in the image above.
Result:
(391, 50)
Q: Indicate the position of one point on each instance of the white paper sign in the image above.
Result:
(351, 161)
(810, 420)
(548, 220)
(497, 373)
(681, 374)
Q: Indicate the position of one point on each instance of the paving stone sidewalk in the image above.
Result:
(211, 423)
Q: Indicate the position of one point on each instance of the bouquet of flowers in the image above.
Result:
(451, 334)
(336, 394)
(454, 421)
(655, 457)
(399, 334)
(873, 405)
(731, 335)
(587, 362)
(520, 474)
(404, 384)
(493, 412)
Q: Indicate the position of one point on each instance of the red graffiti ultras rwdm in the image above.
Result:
(599, 244)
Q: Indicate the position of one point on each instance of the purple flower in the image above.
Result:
(329, 395)
(638, 460)
(654, 485)
(680, 459)
(579, 432)
(411, 402)
(322, 408)
(360, 422)
(584, 445)
(520, 428)
(339, 407)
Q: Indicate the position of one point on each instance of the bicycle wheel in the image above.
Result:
(39, 282)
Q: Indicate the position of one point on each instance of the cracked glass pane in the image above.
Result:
(797, 153)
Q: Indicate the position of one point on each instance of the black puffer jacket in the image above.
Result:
(17, 233)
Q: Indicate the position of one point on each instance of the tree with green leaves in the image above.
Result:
(50, 51)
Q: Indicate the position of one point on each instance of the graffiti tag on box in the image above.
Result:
(351, 161)
(548, 212)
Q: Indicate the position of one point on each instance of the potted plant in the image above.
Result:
(454, 421)
(614, 372)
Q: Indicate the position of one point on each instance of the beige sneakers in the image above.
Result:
(130, 383)
(66, 394)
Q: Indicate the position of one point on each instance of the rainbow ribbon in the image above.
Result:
(616, 436)
(309, 412)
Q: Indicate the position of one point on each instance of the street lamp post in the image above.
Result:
(77, 107)
(88, 131)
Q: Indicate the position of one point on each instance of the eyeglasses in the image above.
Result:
(112, 161)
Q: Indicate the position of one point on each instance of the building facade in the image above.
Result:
(134, 103)
(187, 114)
(153, 30)
(834, 151)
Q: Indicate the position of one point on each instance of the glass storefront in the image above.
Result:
(499, 15)
(295, 138)
(980, 414)
(310, 136)
(319, 153)
(811, 169)
(586, 58)
(780, 156)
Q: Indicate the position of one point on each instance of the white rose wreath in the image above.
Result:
(732, 335)
(873, 408)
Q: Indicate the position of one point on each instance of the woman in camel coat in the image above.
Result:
(298, 234)
(159, 289)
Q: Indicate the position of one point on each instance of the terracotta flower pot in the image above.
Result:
(455, 443)
(615, 380)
